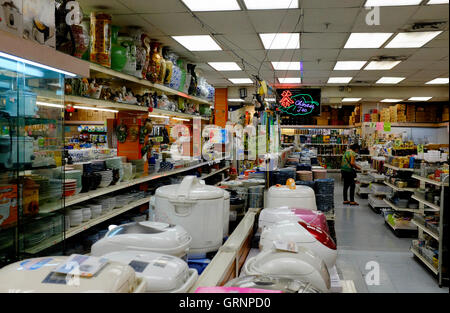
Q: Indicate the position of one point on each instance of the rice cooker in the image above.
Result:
(304, 235)
(38, 275)
(284, 284)
(144, 236)
(270, 216)
(304, 265)
(196, 207)
(291, 196)
(161, 272)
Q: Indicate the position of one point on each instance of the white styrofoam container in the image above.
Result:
(161, 272)
(144, 236)
(279, 196)
(196, 207)
(36, 276)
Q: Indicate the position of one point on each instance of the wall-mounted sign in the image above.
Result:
(299, 102)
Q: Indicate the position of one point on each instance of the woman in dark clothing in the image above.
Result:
(348, 170)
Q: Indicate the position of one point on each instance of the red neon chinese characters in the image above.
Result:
(286, 101)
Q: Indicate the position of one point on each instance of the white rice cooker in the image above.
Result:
(291, 196)
(303, 265)
(286, 285)
(304, 235)
(144, 236)
(196, 207)
(37, 276)
(161, 272)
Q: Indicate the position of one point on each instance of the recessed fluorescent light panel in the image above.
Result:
(181, 119)
(198, 43)
(349, 65)
(94, 109)
(390, 80)
(238, 81)
(271, 4)
(412, 40)
(281, 40)
(212, 5)
(351, 99)
(290, 80)
(419, 98)
(387, 3)
(438, 2)
(270, 99)
(339, 80)
(286, 66)
(225, 66)
(381, 65)
(366, 40)
(438, 81)
(235, 100)
(392, 100)
(52, 105)
(158, 116)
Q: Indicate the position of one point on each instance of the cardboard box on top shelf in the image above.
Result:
(374, 117)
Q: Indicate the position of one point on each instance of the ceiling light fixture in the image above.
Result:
(412, 39)
(419, 98)
(286, 66)
(349, 65)
(290, 80)
(387, 3)
(271, 4)
(225, 66)
(351, 99)
(389, 80)
(392, 100)
(212, 5)
(12, 57)
(437, 2)
(238, 81)
(438, 81)
(47, 104)
(181, 119)
(381, 65)
(270, 99)
(339, 80)
(367, 40)
(198, 43)
(274, 41)
(94, 109)
(236, 100)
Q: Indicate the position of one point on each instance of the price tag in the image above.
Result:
(82, 265)
(286, 246)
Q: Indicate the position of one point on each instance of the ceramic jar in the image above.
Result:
(100, 32)
(155, 63)
(175, 81)
(169, 66)
(128, 43)
(146, 44)
(136, 34)
(118, 52)
(162, 70)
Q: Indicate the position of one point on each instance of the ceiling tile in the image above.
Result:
(430, 54)
(154, 6)
(431, 12)
(241, 41)
(331, 3)
(227, 22)
(125, 20)
(391, 19)
(107, 6)
(176, 24)
(339, 20)
(323, 54)
(269, 21)
(323, 40)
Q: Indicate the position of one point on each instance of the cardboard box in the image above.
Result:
(11, 16)
(39, 21)
(8, 205)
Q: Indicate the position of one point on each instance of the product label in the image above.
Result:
(55, 278)
(162, 261)
(138, 266)
(285, 246)
(85, 266)
(33, 265)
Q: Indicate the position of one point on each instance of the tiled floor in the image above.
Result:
(362, 236)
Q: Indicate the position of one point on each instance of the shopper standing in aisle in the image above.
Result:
(348, 170)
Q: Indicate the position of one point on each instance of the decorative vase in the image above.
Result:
(162, 70)
(169, 66)
(136, 34)
(118, 52)
(155, 63)
(193, 83)
(128, 43)
(100, 32)
(146, 44)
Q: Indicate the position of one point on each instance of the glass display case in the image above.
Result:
(31, 155)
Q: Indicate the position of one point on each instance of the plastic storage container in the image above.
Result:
(279, 196)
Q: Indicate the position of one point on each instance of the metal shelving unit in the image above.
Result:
(442, 275)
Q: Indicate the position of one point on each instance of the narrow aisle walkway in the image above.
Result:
(362, 237)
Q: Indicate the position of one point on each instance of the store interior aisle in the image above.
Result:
(362, 237)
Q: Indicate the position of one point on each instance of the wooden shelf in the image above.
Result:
(425, 229)
(168, 91)
(429, 181)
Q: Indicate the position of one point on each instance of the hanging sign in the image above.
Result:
(299, 102)
(380, 126)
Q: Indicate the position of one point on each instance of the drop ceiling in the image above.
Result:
(324, 27)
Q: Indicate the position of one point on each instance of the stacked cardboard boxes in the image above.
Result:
(411, 113)
(401, 113)
(385, 115)
(392, 114)
(426, 113)
(445, 111)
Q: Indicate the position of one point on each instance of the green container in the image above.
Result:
(118, 52)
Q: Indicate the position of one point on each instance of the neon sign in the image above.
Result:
(300, 102)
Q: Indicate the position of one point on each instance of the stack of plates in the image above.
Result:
(104, 203)
(253, 182)
(87, 214)
(75, 174)
(305, 183)
(107, 177)
(282, 175)
(70, 187)
(139, 166)
(123, 200)
(76, 216)
(256, 196)
(98, 165)
(305, 175)
(115, 163)
(96, 210)
(303, 167)
(319, 173)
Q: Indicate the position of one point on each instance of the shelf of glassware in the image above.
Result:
(169, 91)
